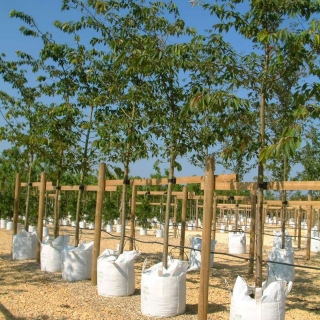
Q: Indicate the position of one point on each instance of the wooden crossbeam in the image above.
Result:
(86, 188)
(293, 202)
(179, 180)
(161, 193)
(35, 184)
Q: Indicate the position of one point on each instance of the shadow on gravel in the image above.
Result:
(8, 315)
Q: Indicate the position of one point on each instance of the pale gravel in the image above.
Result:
(28, 293)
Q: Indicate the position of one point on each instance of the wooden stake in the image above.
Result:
(133, 216)
(197, 213)
(183, 221)
(17, 191)
(214, 217)
(97, 222)
(252, 231)
(295, 223)
(206, 240)
(309, 214)
(42, 198)
(175, 216)
(299, 226)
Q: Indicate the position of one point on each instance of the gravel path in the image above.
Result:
(28, 293)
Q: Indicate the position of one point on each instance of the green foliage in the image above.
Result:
(144, 211)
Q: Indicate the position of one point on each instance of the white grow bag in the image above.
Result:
(277, 239)
(195, 256)
(50, 257)
(76, 263)
(116, 276)
(3, 223)
(315, 244)
(24, 246)
(10, 225)
(280, 271)
(163, 292)
(269, 302)
(159, 233)
(237, 242)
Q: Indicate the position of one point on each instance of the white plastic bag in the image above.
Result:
(237, 242)
(277, 239)
(195, 255)
(76, 263)
(116, 275)
(268, 303)
(50, 257)
(163, 292)
(24, 246)
(278, 271)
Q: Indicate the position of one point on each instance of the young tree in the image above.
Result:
(277, 51)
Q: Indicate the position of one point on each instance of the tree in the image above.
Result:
(309, 157)
(276, 52)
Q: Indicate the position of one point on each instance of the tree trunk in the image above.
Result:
(28, 195)
(167, 216)
(283, 208)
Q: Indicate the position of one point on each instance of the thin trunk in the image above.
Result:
(167, 216)
(284, 204)
(80, 194)
(261, 172)
(83, 174)
(126, 182)
(28, 194)
(252, 230)
(56, 208)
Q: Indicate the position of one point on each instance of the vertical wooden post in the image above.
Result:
(309, 220)
(175, 216)
(56, 212)
(183, 220)
(236, 213)
(299, 226)
(17, 191)
(197, 213)
(97, 222)
(252, 230)
(42, 198)
(133, 216)
(206, 240)
(295, 223)
(214, 216)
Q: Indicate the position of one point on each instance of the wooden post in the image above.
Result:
(236, 213)
(295, 223)
(133, 216)
(17, 191)
(197, 213)
(214, 216)
(299, 226)
(283, 219)
(97, 222)
(309, 214)
(175, 216)
(206, 240)
(183, 220)
(252, 231)
(42, 198)
(263, 222)
(56, 211)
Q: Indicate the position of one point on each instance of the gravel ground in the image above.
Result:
(28, 293)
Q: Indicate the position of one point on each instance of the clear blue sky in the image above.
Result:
(46, 11)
